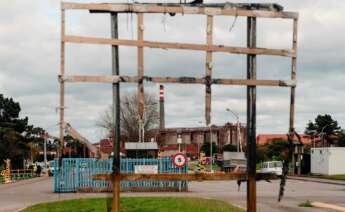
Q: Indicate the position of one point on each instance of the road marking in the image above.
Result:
(326, 205)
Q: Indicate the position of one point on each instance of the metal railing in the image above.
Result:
(77, 175)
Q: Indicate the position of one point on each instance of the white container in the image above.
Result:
(327, 160)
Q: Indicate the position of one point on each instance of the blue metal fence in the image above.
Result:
(77, 175)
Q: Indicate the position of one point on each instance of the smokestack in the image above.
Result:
(161, 107)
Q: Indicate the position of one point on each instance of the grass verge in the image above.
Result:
(333, 177)
(138, 204)
(306, 204)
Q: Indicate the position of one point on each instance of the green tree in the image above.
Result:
(261, 153)
(278, 149)
(325, 127)
(17, 138)
(230, 148)
(207, 150)
(74, 145)
(341, 138)
(310, 129)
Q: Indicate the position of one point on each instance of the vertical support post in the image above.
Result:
(292, 115)
(208, 69)
(299, 162)
(293, 156)
(62, 96)
(292, 93)
(141, 98)
(251, 117)
(116, 116)
(293, 77)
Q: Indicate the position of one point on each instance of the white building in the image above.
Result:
(327, 160)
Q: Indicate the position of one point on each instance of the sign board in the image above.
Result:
(83, 165)
(106, 146)
(146, 169)
(179, 160)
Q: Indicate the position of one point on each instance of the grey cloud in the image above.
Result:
(29, 64)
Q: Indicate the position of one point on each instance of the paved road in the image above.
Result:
(17, 196)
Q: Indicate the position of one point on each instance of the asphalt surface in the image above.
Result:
(14, 197)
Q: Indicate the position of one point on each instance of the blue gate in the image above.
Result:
(77, 175)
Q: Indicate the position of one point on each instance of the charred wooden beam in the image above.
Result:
(185, 80)
(116, 131)
(208, 70)
(188, 176)
(251, 117)
(141, 101)
(62, 97)
(292, 114)
(186, 46)
(207, 9)
(98, 79)
(168, 176)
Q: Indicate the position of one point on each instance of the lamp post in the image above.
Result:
(179, 142)
(239, 146)
(323, 134)
(314, 133)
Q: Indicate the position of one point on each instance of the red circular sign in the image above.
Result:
(179, 160)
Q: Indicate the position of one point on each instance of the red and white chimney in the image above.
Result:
(161, 107)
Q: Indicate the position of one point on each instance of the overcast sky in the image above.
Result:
(29, 64)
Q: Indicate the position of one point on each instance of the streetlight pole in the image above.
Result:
(323, 134)
(239, 146)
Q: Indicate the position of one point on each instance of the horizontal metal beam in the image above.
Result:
(185, 46)
(167, 176)
(184, 9)
(185, 80)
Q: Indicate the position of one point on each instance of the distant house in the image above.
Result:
(192, 140)
(106, 148)
(263, 139)
(197, 136)
(190, 150)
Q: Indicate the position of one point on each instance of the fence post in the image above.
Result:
(77, 181)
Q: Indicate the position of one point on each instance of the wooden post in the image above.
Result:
(141, 98)
(292, 94)
(293, 76)
(293, 162)
(62, 95)
(208, 68)
(251, 117)
(116, 116)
